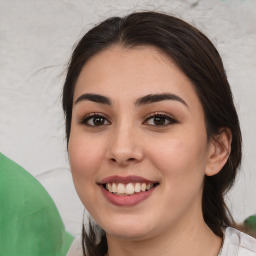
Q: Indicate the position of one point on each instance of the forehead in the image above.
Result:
(119, 71)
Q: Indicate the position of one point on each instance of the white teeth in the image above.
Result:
(149, 186)
(109, 188)
(129, 189)
(137, 187)
(120, 188)
(114, 188)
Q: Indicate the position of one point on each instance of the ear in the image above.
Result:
(219, 150)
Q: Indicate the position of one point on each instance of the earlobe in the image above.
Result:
(220, 148)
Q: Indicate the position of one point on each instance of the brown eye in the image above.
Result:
(160, 120)
(98, 121)
(95, 120)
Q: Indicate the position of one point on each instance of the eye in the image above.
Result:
(95, 119)
(159, 119)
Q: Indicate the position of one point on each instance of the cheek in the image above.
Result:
(181, 159)
(84, 156)
(84, 162)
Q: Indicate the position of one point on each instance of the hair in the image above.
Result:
(199, 60)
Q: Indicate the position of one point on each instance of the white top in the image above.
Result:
(235, 243)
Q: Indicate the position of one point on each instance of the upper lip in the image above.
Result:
(125, 179)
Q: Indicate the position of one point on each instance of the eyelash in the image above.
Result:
(163, 116)
(92, 116)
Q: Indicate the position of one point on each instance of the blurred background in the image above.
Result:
(36, 41)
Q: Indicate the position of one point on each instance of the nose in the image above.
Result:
(125, 147)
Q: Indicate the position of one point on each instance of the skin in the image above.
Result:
(177, 154)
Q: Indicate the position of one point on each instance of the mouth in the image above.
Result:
(128, 189)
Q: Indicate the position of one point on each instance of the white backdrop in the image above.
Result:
(36, 40)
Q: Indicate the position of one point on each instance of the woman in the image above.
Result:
(153, 138)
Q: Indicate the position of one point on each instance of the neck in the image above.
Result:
(194, 240)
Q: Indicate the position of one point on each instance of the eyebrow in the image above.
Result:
(152, 98)
(95, 98)
(147, 99)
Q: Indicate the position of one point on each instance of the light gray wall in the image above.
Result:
(36, 39)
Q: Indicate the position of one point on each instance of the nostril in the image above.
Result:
(131, 159)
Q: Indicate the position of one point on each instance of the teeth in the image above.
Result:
(137, 187)
(120, 188)
(114, 188)
(149, 186)
(109, 188)
(129, 189)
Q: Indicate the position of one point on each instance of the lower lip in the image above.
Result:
(126, 200)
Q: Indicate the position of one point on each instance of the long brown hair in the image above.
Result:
(197, 57)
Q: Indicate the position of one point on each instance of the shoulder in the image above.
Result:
(76, 247)
(237, 243)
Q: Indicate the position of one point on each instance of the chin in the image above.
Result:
(129, 235)
(128, 230)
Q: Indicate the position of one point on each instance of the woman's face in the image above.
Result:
(138, 129)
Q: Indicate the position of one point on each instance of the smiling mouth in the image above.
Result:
(129, 189)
